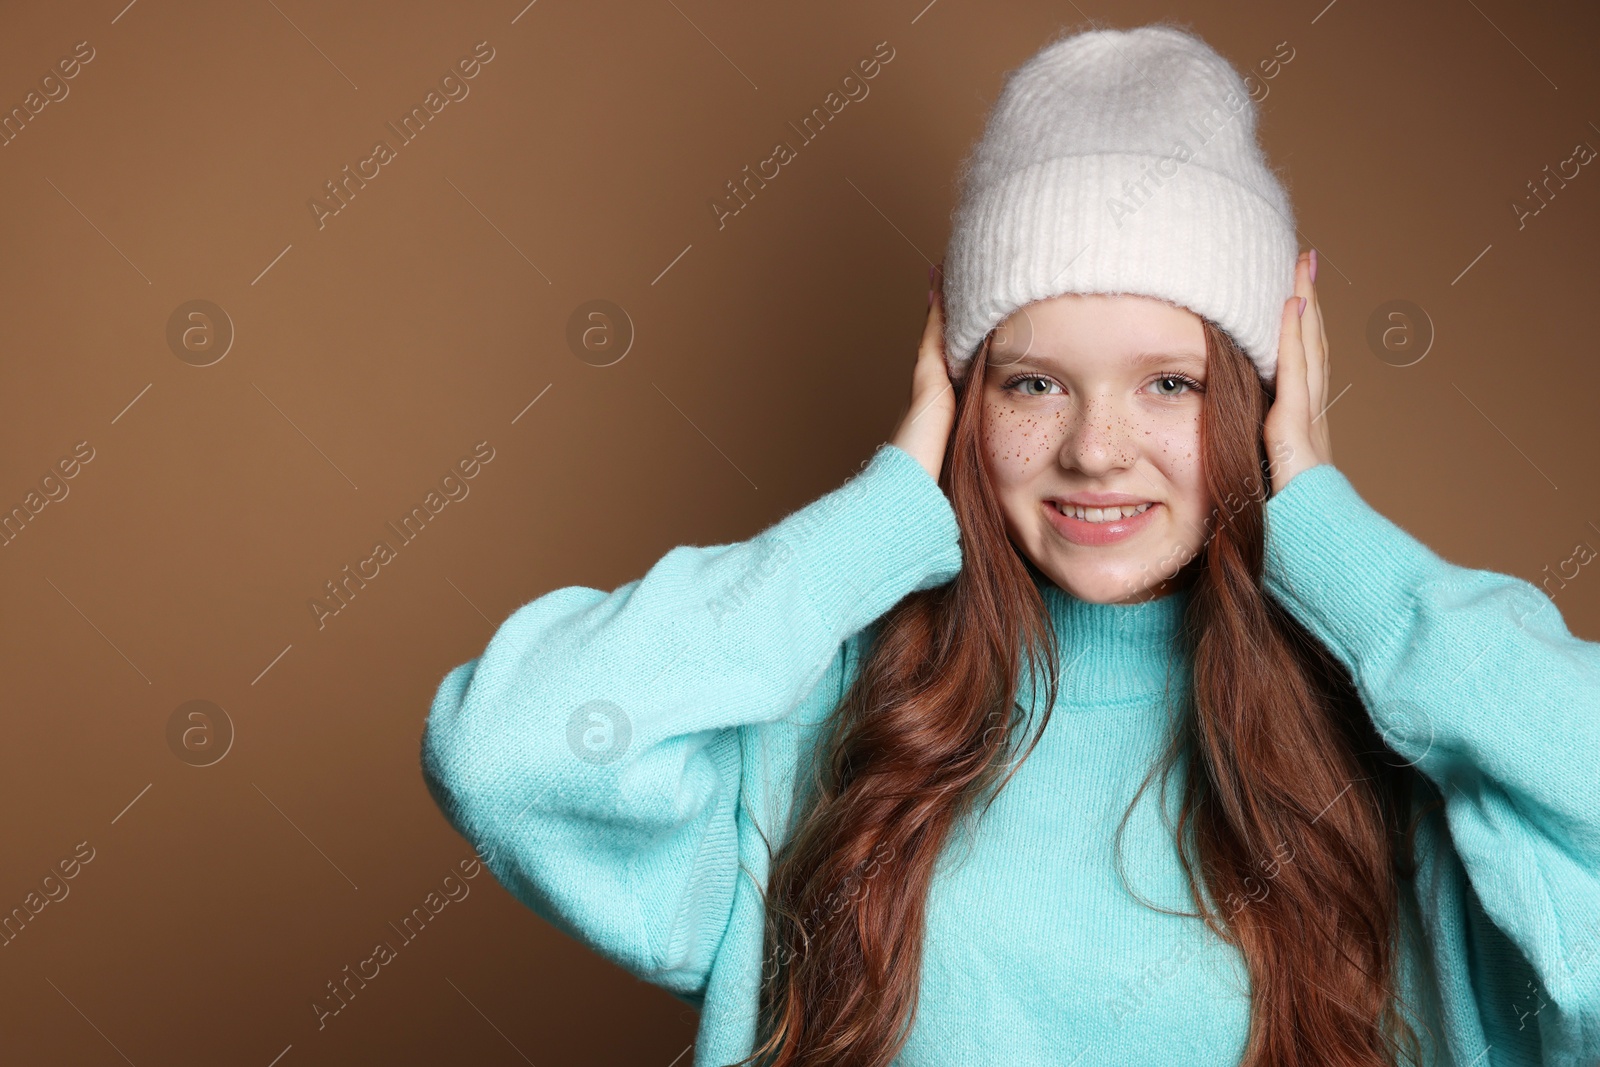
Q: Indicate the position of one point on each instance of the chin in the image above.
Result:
(1136, 569)
(1105, 585)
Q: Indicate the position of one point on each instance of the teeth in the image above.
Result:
(1110, 514)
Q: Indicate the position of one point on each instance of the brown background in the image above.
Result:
(768, 361)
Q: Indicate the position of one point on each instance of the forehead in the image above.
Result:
(1113, 329)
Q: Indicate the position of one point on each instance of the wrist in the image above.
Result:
(1291, 460)
(928, 454)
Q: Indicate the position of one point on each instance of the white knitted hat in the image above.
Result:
(1122, 161)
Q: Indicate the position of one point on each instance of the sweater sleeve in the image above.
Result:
(592, 753)
(1473, 677)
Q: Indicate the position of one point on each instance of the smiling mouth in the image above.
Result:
(1105, 514)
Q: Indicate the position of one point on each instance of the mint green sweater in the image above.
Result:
(618, 758)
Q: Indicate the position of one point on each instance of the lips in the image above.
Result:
(1094, 526)
(1108, 513)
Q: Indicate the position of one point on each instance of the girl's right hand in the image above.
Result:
(925, 428)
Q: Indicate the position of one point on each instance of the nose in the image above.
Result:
(1100, 437)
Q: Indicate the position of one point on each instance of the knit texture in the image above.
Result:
(617, 758)
(1122, 161)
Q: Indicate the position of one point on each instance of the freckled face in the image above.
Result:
(1093, 402)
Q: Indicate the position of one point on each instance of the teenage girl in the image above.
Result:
(872, 786)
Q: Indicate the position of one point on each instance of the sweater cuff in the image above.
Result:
(887, 532)
(1345, 571)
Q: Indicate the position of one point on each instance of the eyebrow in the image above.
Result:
(1146, 358)
(1141, 359)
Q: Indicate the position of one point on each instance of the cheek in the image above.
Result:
(1175, 449)
(1018, 443)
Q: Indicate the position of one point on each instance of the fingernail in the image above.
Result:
(1302, 310)
(1313, 264)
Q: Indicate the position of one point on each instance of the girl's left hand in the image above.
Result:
(1296, 438)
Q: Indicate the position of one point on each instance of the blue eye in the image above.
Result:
(1021, 378)
(1181, 381)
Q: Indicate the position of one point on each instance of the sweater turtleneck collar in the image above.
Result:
(1116, 653)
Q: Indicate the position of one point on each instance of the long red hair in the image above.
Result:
(1274, 728)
